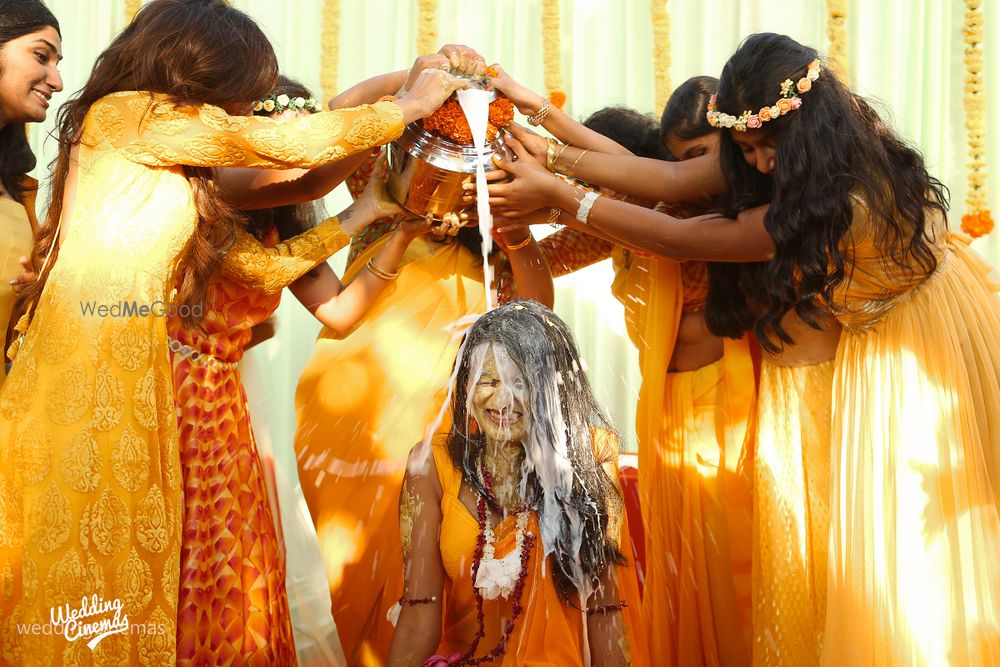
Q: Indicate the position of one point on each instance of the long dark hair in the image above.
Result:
(293, 219)
(633, 130)
(684, 113)
(195, 52)
(17, 19)
(832, 154)
(563, 479)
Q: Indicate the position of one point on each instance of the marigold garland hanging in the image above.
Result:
(661, 52)
(977, 220)
(836, 32)
(329, 50)
(131, 9)
(426, 27)
(552, 53)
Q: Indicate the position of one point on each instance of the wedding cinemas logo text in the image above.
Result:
(136, 309)
(93, 620)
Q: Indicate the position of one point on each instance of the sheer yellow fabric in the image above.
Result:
(915, 577)
(15, 242)
(695, 499)
(90, 494)
(272, 269)
(791, 513)
(361, 403)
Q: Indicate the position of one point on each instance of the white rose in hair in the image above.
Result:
(282, 100)
(269, 105)
(299, 102)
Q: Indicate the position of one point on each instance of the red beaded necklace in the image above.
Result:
(529, 542)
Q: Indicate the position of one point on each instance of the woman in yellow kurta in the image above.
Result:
(512, 523)
(29, 75)
(362, 400)
(89, 470)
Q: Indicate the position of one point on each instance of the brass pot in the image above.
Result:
(426, 171)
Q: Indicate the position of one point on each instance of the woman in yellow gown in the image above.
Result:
(89, 469)
(856, 222)
(364, 397)
(29, 75)
(512, 523)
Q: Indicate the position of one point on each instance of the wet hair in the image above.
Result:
(833, 152)
(17, 19)
(635, 131)
(684, 114)
(561, 476)
(194, 52)
(293, 219)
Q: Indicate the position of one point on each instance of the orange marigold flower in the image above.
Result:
(492, 73)
(449, 120)
(558, 99)
(977, 224)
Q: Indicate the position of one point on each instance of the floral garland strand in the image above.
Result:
(661, 52)
(426, 27)
(131, 9)
(836, 32)
(552, 53)
(329, 51)
(977, 220)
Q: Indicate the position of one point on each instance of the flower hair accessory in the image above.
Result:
(789, 101)
(277, 103)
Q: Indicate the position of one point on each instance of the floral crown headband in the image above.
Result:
(788, 101)
(277, 103)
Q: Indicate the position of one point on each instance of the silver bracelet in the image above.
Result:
(537, 119)
(586, 204)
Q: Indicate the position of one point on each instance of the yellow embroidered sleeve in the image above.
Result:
(272, 269)
(148, 129)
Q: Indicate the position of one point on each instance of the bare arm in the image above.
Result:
(531, 276)
(709, 238)
(418, 631)
(340, 307)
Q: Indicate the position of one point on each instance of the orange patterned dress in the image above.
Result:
(232, 608)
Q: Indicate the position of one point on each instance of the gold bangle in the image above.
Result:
(572, 169)
(555, 160)
(522, 244)
(553, 218)
(550, 153)
(380, 272)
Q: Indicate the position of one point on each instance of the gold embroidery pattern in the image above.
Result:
(324, 122)
(367, 131)
(109, 122)
(133, 582)
(33, 451)
(109, 399)
(130, 345)
(151, 521)
(270, 270)
(72, 578)
(7, 581)
(60, 339)
(81, 462)
(152, 153)
(332, 154)
(11, 518)
(171, 575)
(157, 648)
(172, 463)
(220, 151)
(20, 386)
(106, 523)
(275, 144)
(29, 578)
(144, 401)
(50, 520)
(131, 460)
(68, 398)
(218, 119)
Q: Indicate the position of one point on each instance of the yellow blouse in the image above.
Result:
(90, 484)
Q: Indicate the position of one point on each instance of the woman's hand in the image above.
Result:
(536, 144)
(375, 200)
(464, 60)
(430, 90)
(26, 278)
(531, 186)
(528, 103)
